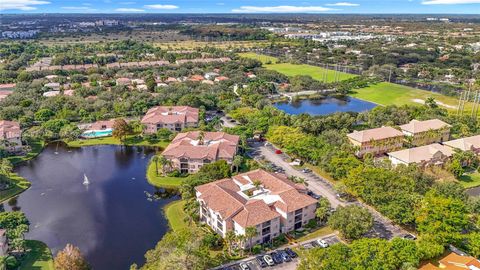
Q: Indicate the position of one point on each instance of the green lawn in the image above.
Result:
(292, 70)
(394, 94)
(316, 234)
(163, 181)
(20, 184)
(176, 215)
(39, 257)
(131, 140)
(37, 147)
(470, 180)
(260, 57)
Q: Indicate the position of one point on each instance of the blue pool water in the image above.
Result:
(325, 106)
(97, 133)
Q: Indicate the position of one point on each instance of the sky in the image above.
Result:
(241, 6)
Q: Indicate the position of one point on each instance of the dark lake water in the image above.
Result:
(112, 221)
(325, 106)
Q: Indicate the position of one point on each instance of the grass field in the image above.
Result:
(289, 69)
(470, 180)
(39, 257)
(20, 184)
(131, 140)
(316, 234)
(176, 215)
(394, 94)
(163, 181)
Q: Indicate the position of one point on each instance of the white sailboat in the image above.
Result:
(85, 180)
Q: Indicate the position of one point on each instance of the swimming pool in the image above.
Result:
(97, 133)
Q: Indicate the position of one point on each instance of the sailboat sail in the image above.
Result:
(85, 180)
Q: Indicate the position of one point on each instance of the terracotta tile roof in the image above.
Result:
(217, 145)
(416, 126)
(4, 94)
(7, 85)
(429, 266)
(375, 134)
(196, 78)
(9, 129)
(422, 153)
(103, 124)
(171, 115)
(454, 261)
(465, 144)
(254, 212)
(228, 197)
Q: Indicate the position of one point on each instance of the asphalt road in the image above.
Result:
(382, 228)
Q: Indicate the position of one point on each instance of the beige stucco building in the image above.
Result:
(174, 118)
(189, 151)
(376, 141)
(10, 136)
(266, 201)
(426, 132)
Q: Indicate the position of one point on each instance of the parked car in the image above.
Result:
(244, 266)
(276, 257)
(261, 261)
(409, 236)
(285, 256)
(268, 259)
(313, 195)
(278, 152)
(309, 245)
(290, 252)
(322, 243)
(306, 170)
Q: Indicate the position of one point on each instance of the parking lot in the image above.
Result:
(253, 264)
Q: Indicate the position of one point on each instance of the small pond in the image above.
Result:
(325, 106)
(114, 220)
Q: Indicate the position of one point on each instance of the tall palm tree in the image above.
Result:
(250, 232)
(229, 239)
(155, 159)
(237, 162)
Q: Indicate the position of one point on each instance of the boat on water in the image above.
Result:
(86, 182)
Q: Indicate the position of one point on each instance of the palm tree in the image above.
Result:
(237, 162)
(250, 232)
(201, 138)
(229, 239)
(257, 183)
(166, 163)
(155, 159)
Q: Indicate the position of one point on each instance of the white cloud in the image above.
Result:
(129, 10)
(21, 4)
(159, 6)
(281, 9)
(449, 2)
(343, 4)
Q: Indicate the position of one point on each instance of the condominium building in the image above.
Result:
(174, 118)
(376, 141)
(269, 202)
(432, 154)
(466, 144)
(189, 151)
(10, 135)
(426, 132)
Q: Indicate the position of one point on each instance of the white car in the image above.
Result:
(244, 266)
(268, 259)
(322, 243)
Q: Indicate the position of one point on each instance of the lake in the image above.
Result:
(325, 106)
(113, 221)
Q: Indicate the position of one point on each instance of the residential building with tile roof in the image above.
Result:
(189, 151)
(174, 118)
(10, 135)
(466, 144)
(426, 132)
(376, 141)
(432, 154)
(267, 201)
(454, 261)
